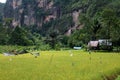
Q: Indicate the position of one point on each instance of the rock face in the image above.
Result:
(24, 12)
(1, 11)
(35, 12)
(1, 7)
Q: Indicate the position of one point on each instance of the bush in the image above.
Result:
(8, 48)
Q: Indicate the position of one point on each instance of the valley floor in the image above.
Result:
(60, 65)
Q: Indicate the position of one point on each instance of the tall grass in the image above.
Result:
(6, 48)
(59, 65)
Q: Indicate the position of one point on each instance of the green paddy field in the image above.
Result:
(61, 65)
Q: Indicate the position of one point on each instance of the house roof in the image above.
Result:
(93, 44)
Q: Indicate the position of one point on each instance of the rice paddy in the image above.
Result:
(60, 65)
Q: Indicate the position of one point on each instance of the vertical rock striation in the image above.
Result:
(37, 12)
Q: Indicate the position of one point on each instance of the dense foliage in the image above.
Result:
(103, 23)
(101, 20)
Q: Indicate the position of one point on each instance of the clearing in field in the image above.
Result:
(60, 65)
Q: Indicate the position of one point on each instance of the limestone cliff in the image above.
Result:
(40, 13)
(1, 11)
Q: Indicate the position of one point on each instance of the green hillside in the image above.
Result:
(62, 23)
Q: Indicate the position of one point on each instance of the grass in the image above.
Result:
(59, 65)
(7, 48)
(118, 78)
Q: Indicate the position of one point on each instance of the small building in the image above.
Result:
(93, 44)
(101, 44)
(105, 42)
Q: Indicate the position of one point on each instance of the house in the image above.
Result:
(105, 42)
(93, 45)
(101, 44)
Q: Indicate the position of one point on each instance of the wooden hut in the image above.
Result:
(101, 44)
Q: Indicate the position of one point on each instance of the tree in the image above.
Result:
(111, 21)
(3, 35)
(78, 38)
(52, 39)
(108, 19)
(19, 37)
(53, 36)
(91, 25)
